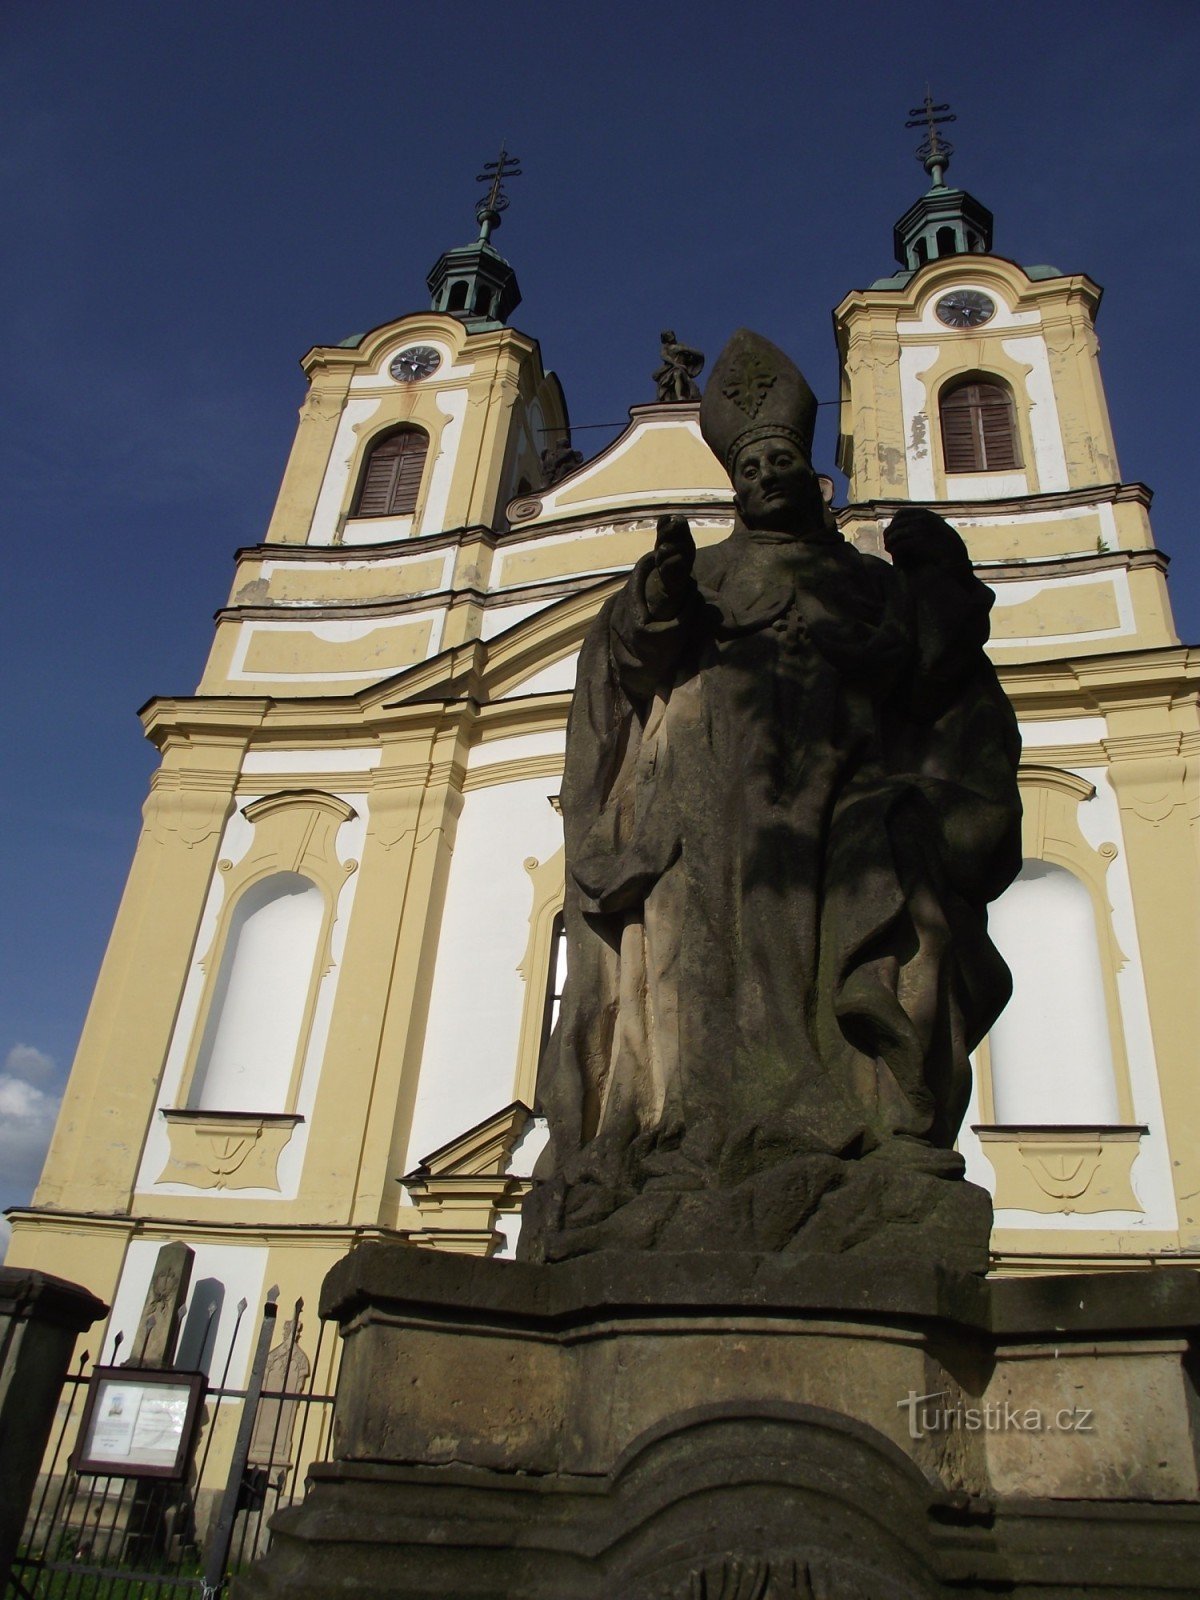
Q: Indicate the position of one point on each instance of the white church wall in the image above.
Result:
(915, 361)
(353, 758)
(452, 404)
(557, 678)
(221, 1273)
(1045, 429)
(471, 1041)
(519, 747)
(355, 413)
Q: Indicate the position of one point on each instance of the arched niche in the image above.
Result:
(1051, 1048)
(272, 947)
(1057, 1054)
(256, 1020)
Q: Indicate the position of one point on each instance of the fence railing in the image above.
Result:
(89, 1536)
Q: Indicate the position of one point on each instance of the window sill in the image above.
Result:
(226, 1149)
(378, 530)
(1063, 1168)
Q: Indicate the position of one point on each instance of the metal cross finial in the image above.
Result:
(933, 152)
(487, 212)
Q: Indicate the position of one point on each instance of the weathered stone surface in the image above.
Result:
(789, 1498)
(40, 1317)
(789, 795)
(679, 1427)
(609, 1285)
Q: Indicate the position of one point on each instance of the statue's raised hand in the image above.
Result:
(674, 553)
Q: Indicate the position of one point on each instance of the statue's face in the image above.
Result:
(774, 484)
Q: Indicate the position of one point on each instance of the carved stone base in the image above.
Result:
(747, 1428)
(799, 1204)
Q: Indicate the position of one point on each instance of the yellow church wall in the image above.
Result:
(897, 357)
(1101, 604)
(1056, 609)
(93, 1158)
(288, 650)
(314, 682)
(272, 582)
(308, 461)
(425, 819)
(87, 1250)
(660, 456)
(1154, 751)
(1029, 528)
(325, 1194)
(590, 549)
(478, 409)
(362, 1121)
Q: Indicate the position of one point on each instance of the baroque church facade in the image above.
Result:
(334, 967)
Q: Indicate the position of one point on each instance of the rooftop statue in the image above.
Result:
(679, 367)
(790, 793)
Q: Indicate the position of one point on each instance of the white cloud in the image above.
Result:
(27, 1113)
(26, 1061)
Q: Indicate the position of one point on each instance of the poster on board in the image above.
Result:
(139, 1423)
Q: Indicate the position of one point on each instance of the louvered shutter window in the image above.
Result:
(979, 429)
(392, 478)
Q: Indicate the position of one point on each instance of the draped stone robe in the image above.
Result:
(786, 809)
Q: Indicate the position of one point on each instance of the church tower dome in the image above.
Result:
(474, 282)
(944, 221)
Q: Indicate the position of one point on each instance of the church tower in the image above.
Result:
(972, 384)
(321, 1010)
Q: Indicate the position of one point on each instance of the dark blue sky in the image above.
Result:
(195, 193)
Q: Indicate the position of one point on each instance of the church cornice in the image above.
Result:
(543, 592)
(135, 1225)
(1165, 676)
(1010, 505)
(1021, 290)
(413, 325)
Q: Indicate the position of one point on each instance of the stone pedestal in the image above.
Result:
(748, 1428)
(40, 1319)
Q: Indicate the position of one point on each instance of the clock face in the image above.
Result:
(418, 361)
(965, 308)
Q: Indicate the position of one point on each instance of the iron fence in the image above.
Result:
(88, 1536)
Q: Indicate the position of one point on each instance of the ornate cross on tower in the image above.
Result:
(474, 282)
(933, 152)
(487, 212)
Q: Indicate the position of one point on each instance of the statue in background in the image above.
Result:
(285, 1379)
(676, 374)
(790, 793)
(559, 460)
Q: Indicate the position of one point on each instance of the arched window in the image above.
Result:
(255, 1022)
(458, 295)
(947, 242)
(1051, 1051)
(391, 478)
(979, 427)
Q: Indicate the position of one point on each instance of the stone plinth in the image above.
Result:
(40, 1319)
(721, 1428)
